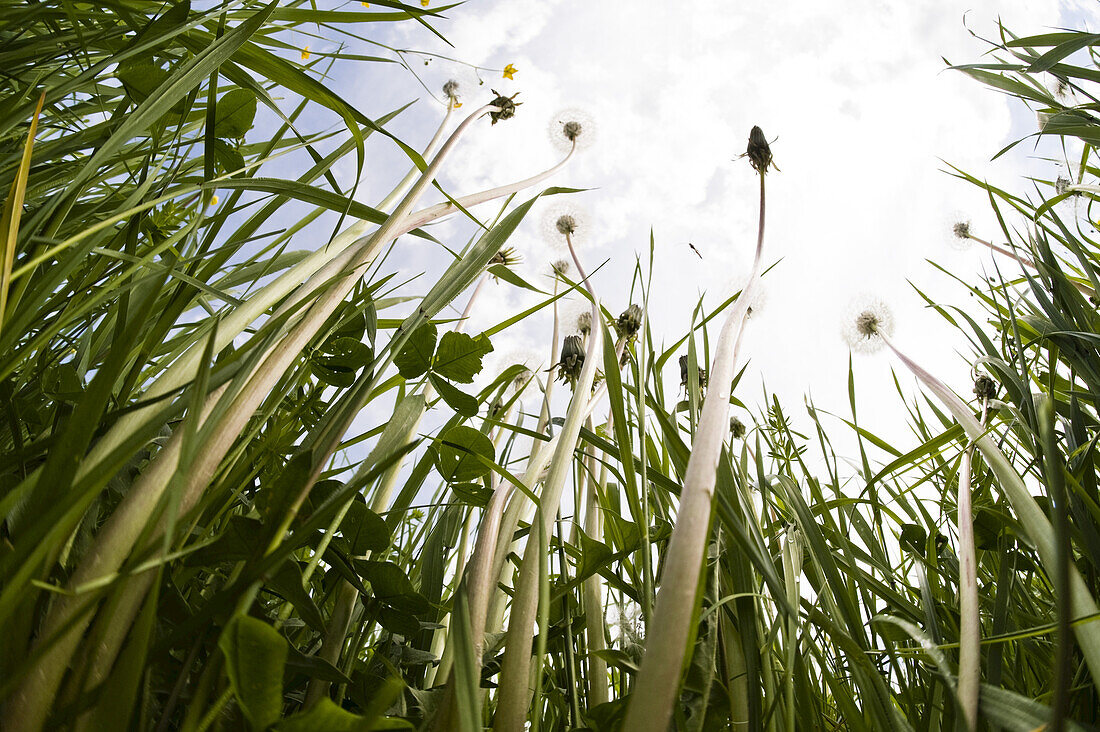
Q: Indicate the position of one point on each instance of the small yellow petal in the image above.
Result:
(213, 200)
(457, 104)
(425, 2)
(305, 53)
(365, 5)
(510, 71)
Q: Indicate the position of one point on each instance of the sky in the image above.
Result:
(864, 119)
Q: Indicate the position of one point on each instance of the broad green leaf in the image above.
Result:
(456, 399)
(392, 586)
(235, 113)
(365, 530)
(459, 356)
(416, 357)
(457, 454)
(255, 656)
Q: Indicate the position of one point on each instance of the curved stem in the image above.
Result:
(658, 681)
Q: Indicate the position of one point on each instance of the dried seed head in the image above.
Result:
(450, 89)
(759, 151)
(505, 107)
(560, 267)
(584, 322)
(957, 230)
(572, 128)
(985, 388)
(629, 323)
(1061, 185)
(866, 321)
(572, 359)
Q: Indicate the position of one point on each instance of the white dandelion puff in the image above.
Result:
(957, 231)
(576, 317)
(571, 127)
(560, 220)
(866, 319)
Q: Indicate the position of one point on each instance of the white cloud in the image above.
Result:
(861, 107)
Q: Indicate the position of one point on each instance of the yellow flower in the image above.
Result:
(365, 5)
(425, 2)
(510, 71)
(305, 53)
(457, 104)
(213, 200)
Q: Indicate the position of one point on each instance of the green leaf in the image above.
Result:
(287, 583)
(140, 77)
(595, 555)
(228, 158)
(255, 657)
(472, 494)
(457, 454)
(416, 356)
(325, 715)
(456, 399)
(339, 360)
(459, 356)
(234, 114)
(391, 585)
(240, 540)
(365, 530)
(398, 621)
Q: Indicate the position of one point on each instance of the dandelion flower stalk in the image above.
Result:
(658, 683)
(1032, 518)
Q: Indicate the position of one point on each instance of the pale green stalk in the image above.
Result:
(514, 696)
(1032, 518)
(970, 630)
(658, 682)
(593, 586)
(792, 571)
(30, 704)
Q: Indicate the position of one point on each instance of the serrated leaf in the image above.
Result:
(415, 358)
(457, 454)
(459, 356)
(255, 657)
(234, 114)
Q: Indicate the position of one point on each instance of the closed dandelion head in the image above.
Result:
(629, 323)
(505, 106)
(985, 388)
(684, 374)
(572, 128)
(572, 359)
(507, 257)
(737, 428)
(561, 220)
(759, 151)
(866, 321)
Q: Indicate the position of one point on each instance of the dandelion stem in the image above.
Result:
(970, 632)
(658, 682)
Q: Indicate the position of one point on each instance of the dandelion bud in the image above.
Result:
(737, 428)
(505, 107)
(572, 359)
(629, 323)
(759, 151)
(506, 256)
(865, 323)
(684, 374)
(985, 388)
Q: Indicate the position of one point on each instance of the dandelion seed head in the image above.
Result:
(571, 127)
(1061, 185)
(560, 267)
(451, 87)
(560, 220)
(576, 317)
(957, 231)
(867, 319)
